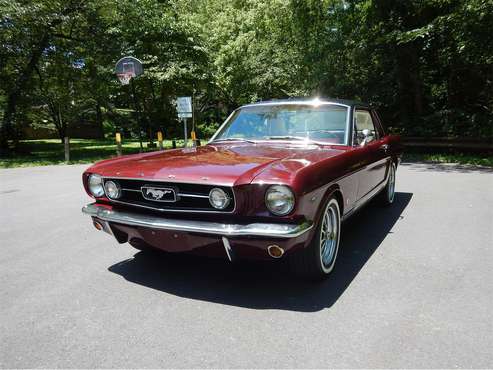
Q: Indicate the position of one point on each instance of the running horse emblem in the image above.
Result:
(155, 193)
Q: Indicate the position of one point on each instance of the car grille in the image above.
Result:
(188, 197)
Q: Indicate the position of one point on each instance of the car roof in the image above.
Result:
(309, 100)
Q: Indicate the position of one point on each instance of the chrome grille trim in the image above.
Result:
(178, 194)
(192, 195)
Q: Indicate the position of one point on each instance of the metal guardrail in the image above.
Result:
(451, 143)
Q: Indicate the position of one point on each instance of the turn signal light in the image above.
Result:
(275, 251)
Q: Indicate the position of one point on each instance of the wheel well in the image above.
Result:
(332, 191)
(338, 195)
(336, 192)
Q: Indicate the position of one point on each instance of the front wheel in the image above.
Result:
(318, 259)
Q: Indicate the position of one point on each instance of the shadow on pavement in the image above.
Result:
(266, 285)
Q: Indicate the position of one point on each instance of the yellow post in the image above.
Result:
(160, 139)
(118, 138)
(194, 138)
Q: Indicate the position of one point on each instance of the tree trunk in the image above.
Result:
(99, 120)
(62, 125)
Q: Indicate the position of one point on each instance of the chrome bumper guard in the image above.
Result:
(216, 228)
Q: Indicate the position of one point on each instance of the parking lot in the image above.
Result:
(413, 286)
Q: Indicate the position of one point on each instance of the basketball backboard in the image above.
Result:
(127, 68)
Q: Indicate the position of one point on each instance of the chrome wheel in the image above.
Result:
(317, 260)
(391, 184)
(329, 235)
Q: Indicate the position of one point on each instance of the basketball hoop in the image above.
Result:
(124, 77)
(127, 68)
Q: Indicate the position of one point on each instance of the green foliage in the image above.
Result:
(427, 65)
(459, 158)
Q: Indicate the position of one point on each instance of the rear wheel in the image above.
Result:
(388, 193)
(318, 259)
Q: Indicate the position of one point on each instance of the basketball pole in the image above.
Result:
(137, 111)
(193, 111)
(185, 142)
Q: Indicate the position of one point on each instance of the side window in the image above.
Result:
(378, 124)
(363, 121)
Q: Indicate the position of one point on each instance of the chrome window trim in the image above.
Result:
(369, 110)
(378, 122)
(222, 126)
(348, 123)
(294, 102)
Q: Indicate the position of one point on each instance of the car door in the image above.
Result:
(373, 149)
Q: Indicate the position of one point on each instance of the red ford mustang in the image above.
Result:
(275, 181)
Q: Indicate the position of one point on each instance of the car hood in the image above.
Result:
(225, 164)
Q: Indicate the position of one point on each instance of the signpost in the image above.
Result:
(184, 109)
(126, 69)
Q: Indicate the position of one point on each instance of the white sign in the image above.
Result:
(184, 107)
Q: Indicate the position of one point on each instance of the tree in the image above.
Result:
(426, 65)
(27, 31)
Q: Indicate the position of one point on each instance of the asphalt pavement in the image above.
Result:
(413, 287)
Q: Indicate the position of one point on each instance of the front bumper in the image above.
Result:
(264, 230)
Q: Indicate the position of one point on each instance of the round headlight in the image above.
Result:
(95, 184)
(218, 198)
(112, 189)
(279, 199)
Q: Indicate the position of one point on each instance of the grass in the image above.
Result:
(49, 152)
(459, 158)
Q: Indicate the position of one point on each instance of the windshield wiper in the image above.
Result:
(299, 138)
(234, 139)
(287, 137)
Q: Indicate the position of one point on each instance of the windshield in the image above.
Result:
(325, 123)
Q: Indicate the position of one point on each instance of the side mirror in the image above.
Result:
(367, 137)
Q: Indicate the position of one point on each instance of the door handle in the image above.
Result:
(384, 147)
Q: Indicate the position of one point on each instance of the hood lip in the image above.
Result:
(170, 180)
